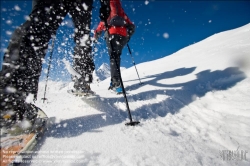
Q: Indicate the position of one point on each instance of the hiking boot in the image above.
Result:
(83, 87)
(80, 84)
(80, 88)
(116, 87)
(81, 91)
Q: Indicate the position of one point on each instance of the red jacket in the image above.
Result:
(116, 9)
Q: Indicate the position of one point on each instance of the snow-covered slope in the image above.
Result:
(102, 72)
(193, 106)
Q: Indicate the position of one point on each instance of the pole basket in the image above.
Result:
(132, 123)
(44, 99)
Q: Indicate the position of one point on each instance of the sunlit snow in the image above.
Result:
(193, 107)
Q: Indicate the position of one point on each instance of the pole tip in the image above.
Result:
(132, 123)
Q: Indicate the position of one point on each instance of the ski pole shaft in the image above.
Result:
(93, 49)
(134, 63)
(50, 60)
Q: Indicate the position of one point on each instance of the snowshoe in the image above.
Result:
(80, 92)
(82, 89)
(20, 138)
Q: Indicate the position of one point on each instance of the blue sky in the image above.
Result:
(163, 27)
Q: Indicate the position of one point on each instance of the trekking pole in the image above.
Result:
(50, 59)
(134, 64)
(131, 123)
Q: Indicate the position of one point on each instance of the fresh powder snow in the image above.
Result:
(193, 109)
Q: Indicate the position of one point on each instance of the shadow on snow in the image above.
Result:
(175, 99)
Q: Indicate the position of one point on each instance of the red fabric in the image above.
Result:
(112, 29)
(118, 30)
(116, 9)
(100, 27)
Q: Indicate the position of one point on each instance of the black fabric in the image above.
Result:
(130, 29)
(118, 42)
(23, 61)
(104, 11)
(83, 61)
(81, 84)
(117, 21)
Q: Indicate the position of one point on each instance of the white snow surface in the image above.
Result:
(101, 73)
(193, 106)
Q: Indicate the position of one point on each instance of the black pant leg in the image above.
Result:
(81, 12)
(118, 43)
(23, 68)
